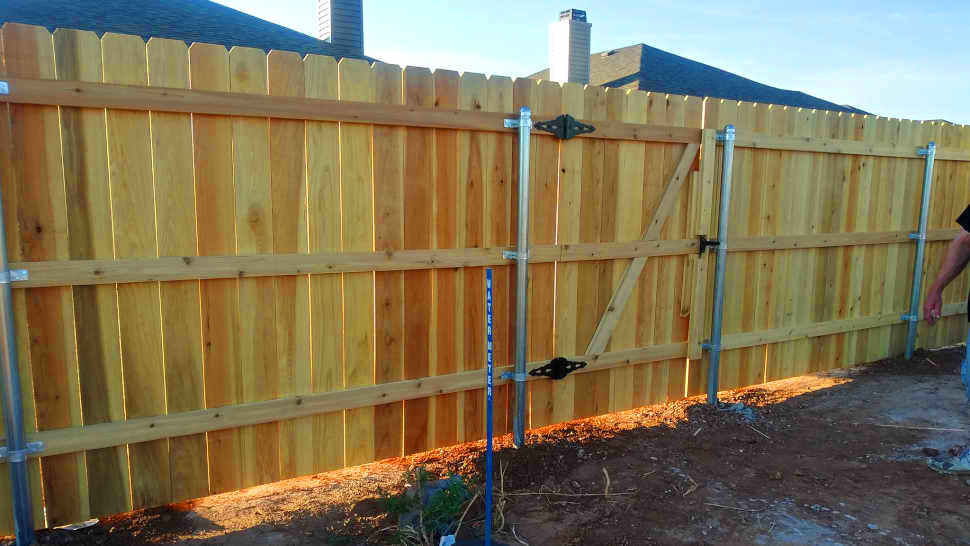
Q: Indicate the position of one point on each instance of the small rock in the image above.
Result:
(799, 473)
(777, 476)
(931, 452)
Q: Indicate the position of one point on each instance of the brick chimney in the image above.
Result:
(569, 47)
(341, 22)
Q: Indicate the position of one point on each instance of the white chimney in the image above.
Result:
(569, 47)
(342, 24)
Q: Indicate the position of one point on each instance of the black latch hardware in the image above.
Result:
(564, 127)
(558, 368)
(703, 242)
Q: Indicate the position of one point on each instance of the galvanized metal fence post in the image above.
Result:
(521, 257)
(16, 451)
(714, 345)
(913, 317)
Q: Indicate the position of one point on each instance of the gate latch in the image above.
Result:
(703, 242)
(564, 127)
(558, 368)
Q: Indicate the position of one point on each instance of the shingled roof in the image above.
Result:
(187, 20)
(650, 69)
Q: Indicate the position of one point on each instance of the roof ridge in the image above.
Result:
(663, 71)
(191, 21)
(217, 5)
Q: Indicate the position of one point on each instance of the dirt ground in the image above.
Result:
(836, 458)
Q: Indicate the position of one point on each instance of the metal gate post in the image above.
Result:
(16, 451)
(521, 257)
(913, 317)
(727, 137)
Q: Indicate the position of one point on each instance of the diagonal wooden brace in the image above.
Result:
(622, 294)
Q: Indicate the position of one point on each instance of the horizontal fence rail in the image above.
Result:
(747, 139)
(180, 268)
(129, 97)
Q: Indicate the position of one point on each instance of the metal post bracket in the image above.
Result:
(564, 127)
(516, 123)
(6, 277)
(21, 455)
(727, 134)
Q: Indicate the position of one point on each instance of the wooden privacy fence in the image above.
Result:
(248, 267)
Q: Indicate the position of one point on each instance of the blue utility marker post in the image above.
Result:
(489, 371)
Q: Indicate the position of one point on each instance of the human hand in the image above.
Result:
(933, 306)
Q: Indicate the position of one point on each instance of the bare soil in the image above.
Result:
(834, 458)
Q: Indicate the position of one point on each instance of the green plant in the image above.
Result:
(445, 507)
(396, 505)
(427, 509)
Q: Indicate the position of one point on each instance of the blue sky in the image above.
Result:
(893, 58)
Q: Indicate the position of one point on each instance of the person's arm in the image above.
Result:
(956, 259)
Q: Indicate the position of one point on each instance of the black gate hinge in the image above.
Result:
(703, 242)
(558, 368)
(564, 127)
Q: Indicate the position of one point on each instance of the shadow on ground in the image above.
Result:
(835, 458)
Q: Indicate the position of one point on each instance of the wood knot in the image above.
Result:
(254, 217)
